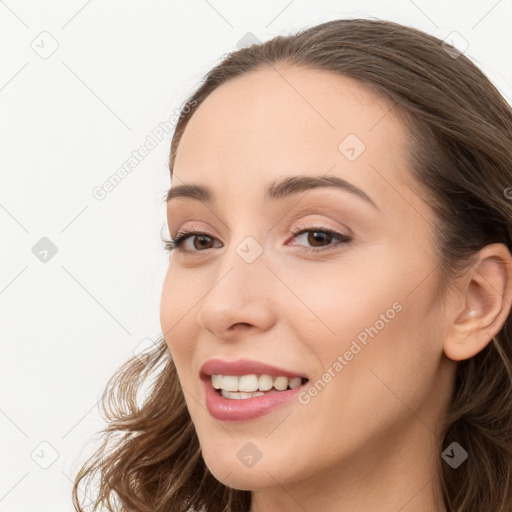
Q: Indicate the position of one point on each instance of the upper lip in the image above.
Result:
(245, 367)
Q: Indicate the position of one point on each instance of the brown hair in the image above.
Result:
(461, 157)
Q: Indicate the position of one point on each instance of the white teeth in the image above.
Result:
(265, 382)
(295, 382)
(249, 385)
(229, 383)
(239, 396)
(217, 381)
(281, 383)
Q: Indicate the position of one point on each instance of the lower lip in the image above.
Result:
(231, 409)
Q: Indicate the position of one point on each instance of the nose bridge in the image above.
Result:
(243, 266)
(245, 251)
(240, 290)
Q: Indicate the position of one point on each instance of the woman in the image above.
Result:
(336, 312)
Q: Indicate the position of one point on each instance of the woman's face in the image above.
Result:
(360, 319)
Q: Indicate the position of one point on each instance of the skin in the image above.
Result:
(368, 441)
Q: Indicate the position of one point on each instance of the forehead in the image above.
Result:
(284, 121)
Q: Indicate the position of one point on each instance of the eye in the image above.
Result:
(319, 236)
(182, 236)
(316, 236)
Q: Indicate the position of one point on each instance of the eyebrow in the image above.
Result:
(278, 189)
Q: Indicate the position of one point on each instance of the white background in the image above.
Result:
(69, 121)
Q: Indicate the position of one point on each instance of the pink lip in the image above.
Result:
(244, 367)
(227, 409)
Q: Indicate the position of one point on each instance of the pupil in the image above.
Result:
(317, 234)
(203, 238)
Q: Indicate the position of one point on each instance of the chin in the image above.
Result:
(235, 468)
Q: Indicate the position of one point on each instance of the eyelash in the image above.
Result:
(181, 236)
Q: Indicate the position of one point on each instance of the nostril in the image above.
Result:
(241, 326)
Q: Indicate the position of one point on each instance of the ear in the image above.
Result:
(482, 303)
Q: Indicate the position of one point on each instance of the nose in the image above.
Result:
(241, 296)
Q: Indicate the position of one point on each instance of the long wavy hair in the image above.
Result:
(460, 134)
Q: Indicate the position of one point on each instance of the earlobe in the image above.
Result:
(486, 297)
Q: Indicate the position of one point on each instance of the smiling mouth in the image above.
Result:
(252, 385)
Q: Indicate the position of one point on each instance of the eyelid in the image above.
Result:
(184, 234)
(186, 228)
(312, 223)
(321, 225)
(323, 212)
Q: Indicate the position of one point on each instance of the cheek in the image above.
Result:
(177, 298)
(336, 302)
(371, 392)
(379, 321)
(177, 315)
